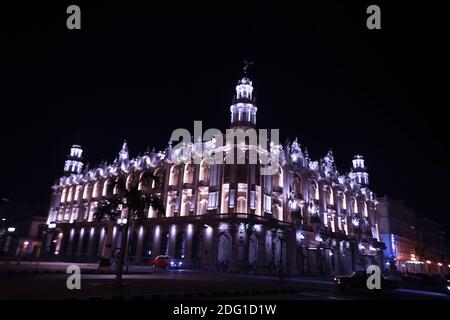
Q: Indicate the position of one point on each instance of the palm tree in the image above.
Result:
(128, 200)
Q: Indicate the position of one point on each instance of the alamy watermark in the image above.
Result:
(236, 146)
(374, 277)
(74, 280)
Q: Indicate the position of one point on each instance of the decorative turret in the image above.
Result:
(297, 156)
(328, 166)
(243, 110)
(359, 171)
(123, 154)
(74, 162)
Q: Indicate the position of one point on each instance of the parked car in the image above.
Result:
(165, 261)
(358, 280)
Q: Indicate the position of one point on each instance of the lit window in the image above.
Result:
(252, 199)
(96, 189)
(267, 204)
(225, 197)
(213, 199)
(105, 188)
(77, 193)
(70, 195)
(86, 191)
(242, 198)
(63, 195)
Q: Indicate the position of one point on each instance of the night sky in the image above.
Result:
(137, 73)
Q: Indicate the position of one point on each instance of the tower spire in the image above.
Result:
(74, 162)
(359, 170)
(243, 110)
(246, 65)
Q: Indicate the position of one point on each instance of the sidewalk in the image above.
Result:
(11, 267)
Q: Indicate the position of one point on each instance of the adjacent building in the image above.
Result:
(435, 247)
(21, 228)
(413, 245)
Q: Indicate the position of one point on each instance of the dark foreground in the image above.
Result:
(49, 282)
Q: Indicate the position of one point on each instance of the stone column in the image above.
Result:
(156, 243)
(140, 244)
(82, 234)
(207, 255)
(189, 233)
(90, 248)
(173, 233)
(337, 260)
(261, 264)
(234, 261)
(291, 251)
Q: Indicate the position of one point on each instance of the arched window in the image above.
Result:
(202, 200)
(151, 212)
(129, 181)
(188, 176)
(329, 195)
(186, 202)
(204, 171)
(63, 195)
(159, 175)
(58, 243)
(105, 187)
(342, 200)
(242, 198)
(214, 175)
(144, 181)
(277, 211)
(297, 187)
(173, 178)
(315, 190)
(172, 199)
(70, 195)
(224, 248)
(77, 193)
(86, 191)
(278, 178)
(366, 210)
(96, 192)
(354, 205)
(225, 197)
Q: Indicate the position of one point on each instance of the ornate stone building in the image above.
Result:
(307, 217)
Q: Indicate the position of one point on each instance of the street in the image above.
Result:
(180, 284)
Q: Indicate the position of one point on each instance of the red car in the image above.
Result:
(165, 262)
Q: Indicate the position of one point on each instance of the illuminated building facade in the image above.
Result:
(306, 218)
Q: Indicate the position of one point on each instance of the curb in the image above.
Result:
(192, 295)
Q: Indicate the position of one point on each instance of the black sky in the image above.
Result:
(137, 73)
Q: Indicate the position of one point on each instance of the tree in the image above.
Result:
(128, 199)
